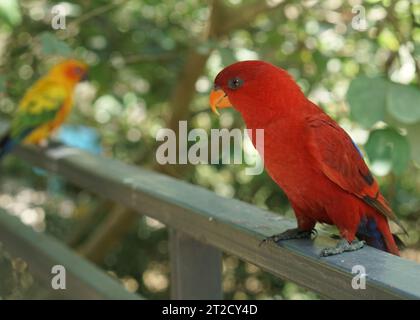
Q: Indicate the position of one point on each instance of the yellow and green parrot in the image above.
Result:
(44, 106)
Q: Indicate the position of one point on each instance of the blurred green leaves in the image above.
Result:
(413, 135)
(51, 45)
(367, 99)
(387, 150)
(371, 100)
(2, 83)
(10, 13)
(403, 103)
(388, 40)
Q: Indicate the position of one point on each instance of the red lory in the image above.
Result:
(309, 156)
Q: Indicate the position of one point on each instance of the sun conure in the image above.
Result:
(45, 105)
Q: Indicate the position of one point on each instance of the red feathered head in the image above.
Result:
(256, 89)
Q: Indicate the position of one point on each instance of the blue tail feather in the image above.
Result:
(6, 145)
(368, 231)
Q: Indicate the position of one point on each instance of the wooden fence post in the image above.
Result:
(196, 268)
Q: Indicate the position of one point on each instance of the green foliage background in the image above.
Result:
(152, 64)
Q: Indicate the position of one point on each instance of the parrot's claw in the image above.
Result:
(289, 235)
(343, 246)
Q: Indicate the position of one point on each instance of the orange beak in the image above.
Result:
(219, 99)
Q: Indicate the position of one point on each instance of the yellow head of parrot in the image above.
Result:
(219, 99)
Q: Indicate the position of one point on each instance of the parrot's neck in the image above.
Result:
(276, 116)
(285, 133)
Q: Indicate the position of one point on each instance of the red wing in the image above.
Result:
(338, 157)
(340, 160)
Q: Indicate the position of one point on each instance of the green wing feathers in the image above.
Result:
(39, 106)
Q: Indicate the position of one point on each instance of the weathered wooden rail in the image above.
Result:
(203, 224)
(41, 253)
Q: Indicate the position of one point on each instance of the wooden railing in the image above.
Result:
(41, 253)
(203, 225)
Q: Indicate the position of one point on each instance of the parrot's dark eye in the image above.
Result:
(235, 83)
(78, 71)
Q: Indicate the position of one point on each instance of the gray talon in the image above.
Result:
(342, 246)
(289, 235)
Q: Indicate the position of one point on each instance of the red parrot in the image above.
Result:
(309, 156)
